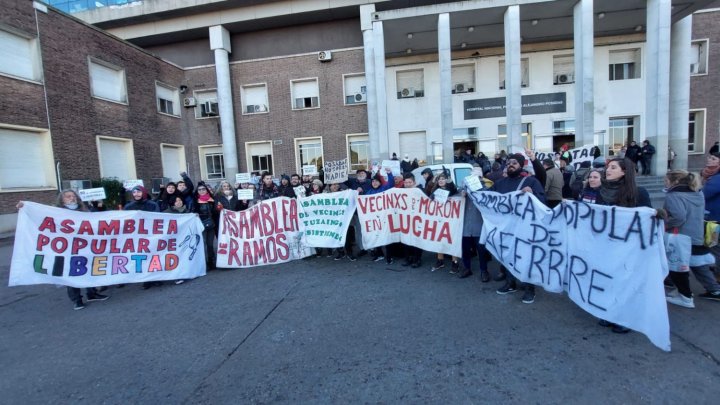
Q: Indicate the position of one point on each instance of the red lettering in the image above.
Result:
(97, 246)
(415, 221)
(172, 227)
(143, 246)
(157, 226)
(78, 244)
(142, 230)
(161, 245)
(113, 246)
(49, 224)
(59, 245)
(294, 225)
(86, 228)
(129, 246)
(129, 226)
(283, 250)
(248, 254)
(266, 220)
(233, 253)
(109, 227)
(171, 262)
(362, 204)
(445, 233)
(154, 264)
(42, 241)
(259, 250)
(66, 226)
(430, 229)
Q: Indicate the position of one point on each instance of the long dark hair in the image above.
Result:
(627, 192)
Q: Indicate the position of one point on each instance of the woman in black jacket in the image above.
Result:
(206, 207)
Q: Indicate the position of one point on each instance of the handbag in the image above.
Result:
(711, 233)
(208, 223)
(678, 248)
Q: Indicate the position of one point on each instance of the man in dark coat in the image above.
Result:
(633, 153)
(647, 153)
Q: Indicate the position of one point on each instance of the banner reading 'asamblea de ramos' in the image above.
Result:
(266, 233)
(408, 216)
(609, 260)
(82, 249)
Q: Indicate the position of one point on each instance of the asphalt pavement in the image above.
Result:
(320, 331)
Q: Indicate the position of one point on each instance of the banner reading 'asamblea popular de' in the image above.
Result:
(609, 260)
(82, 249)
(410, 217)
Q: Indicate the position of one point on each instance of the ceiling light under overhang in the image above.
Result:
(638, 28)
(408, 50)
(601, 16)
(534, 22)
(463, 45)
(471, 29)
(410, 35)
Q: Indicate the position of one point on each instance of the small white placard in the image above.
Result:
(473, 183)
(441, 195)
(394, 165)
(129, 184)
(299, 191)
(246, 194)
(92, 194)
(310, 170)
(243, 178)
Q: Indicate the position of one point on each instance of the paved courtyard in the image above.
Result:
(324, 331)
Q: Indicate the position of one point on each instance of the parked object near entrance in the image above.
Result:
(457, 172)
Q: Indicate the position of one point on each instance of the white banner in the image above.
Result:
(92, 194)
(325, 218)
(579, 155)
(266, 233)
(609, 260)
(81, 249)
(336, 171)
(394, 166)
(408, 216)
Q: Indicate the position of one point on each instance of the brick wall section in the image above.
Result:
(705, 90)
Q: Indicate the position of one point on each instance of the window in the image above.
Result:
(117, 159)
(254, 98)
(624, 64)
(563, 69)
(107, 81)
(173, 160)
(212, 165)
(502, 137)
(259, 157)
(358, 150)
(309, 152)
(622, 130)
(410, 83)
(36, 167)
(699, 57)
(207, 104)
(463, 79)
(524, 73)
(305, 94)
(696, 131)
(168, 99)
(19, 56)
(437, 152)
(355, 89)
(564, 127)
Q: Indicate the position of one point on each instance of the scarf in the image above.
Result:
(204, 198)
(609, 191)
(708, 172)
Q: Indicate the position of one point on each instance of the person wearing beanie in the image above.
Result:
(141, 201)
(517, 180)
(285, 188)
(429, 181)
(360, 182)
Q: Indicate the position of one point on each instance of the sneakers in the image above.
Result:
(455, 268)
(715, 295)
(439, 264)
(465, 273)
(339, 256)
(79, 305)
(484, 276)
(390, 260)
(528, 297)
(96, 297)
(178, 282)
(681, 300)
(379, 259)
(352, 258)
(508, 288)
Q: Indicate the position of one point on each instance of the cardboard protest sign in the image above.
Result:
(246, 194)
(579, 155)
(300, 191)
(473, 183)
(609, 260)
(336, 171)
(129, 184)
(325, 218)
(243, 178)
(441, 195)
(92, 194)
(310, 170)
(80, 249)
(408, 216)
(266, 233)
(394, 165)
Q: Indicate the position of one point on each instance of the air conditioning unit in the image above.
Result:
(694, 68)
(210, 108)
(189, 102)
(564, 78)
(502, 85)
(360, 98)
(461, 88)
(256, 108)
(407, 92)
(324, 56)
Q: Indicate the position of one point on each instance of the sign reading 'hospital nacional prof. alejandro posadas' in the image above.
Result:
(531, 104)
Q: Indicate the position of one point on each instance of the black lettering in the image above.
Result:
(593, 286)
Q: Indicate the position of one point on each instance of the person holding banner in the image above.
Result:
(472, 228)
(685, 207)
(413, 254)
(445, 185)
(70, 200)
(377, 186)
(206, 207)
(517, 180)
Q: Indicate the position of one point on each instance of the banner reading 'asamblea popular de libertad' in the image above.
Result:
(408, 216)
(81, 249)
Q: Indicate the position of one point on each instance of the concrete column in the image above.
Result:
(680, 90)
(584, 73)
(380, 90)
(445, 65)
(657, 82)
(220, 44)
(513, 76)
(370, 79)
